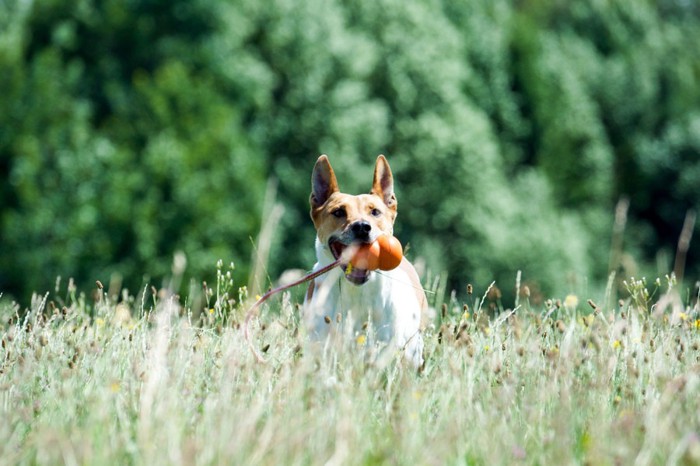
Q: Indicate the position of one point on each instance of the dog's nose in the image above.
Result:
(361, 229)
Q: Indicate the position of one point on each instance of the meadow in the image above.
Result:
(514, 129)
(97, 379)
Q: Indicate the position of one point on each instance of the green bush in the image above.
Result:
(114, 167)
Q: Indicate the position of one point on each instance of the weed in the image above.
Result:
(108, 383)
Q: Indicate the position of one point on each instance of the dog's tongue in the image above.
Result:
(354, 275)
(357, 276)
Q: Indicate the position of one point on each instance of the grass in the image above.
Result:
(140, 380)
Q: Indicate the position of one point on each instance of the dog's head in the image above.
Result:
(344, 220)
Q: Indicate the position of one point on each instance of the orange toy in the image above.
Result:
(384, 254)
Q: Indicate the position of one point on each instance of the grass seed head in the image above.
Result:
(594, 306)
(561, 327)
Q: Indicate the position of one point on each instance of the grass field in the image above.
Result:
(140, 380)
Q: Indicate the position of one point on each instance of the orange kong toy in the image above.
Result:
(384, 254)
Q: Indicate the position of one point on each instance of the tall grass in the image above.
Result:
(141, 380)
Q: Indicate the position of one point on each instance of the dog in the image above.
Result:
(392, 304)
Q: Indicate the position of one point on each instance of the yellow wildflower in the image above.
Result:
(585, 440)
(616, 344)
(361, 340)
(571, 302)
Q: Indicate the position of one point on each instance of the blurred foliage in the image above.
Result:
(130, 130)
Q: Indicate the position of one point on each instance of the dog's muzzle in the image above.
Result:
(354, 275)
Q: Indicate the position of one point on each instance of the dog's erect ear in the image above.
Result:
(383, 184)
(323, 182)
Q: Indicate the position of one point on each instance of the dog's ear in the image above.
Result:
(383, 184)
(323, 182)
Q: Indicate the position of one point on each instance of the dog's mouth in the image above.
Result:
(339, 249)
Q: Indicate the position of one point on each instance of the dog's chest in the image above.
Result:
(368, 306)
(385, 304)
(384, 308)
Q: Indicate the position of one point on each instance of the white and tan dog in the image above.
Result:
(391, 303)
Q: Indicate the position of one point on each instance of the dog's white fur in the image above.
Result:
(388, 303)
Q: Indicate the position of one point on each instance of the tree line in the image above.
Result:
(133, 130)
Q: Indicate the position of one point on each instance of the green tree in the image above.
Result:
(122, 150)
(132, 130)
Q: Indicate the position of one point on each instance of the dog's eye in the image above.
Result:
(338, 213)
(375, 212)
